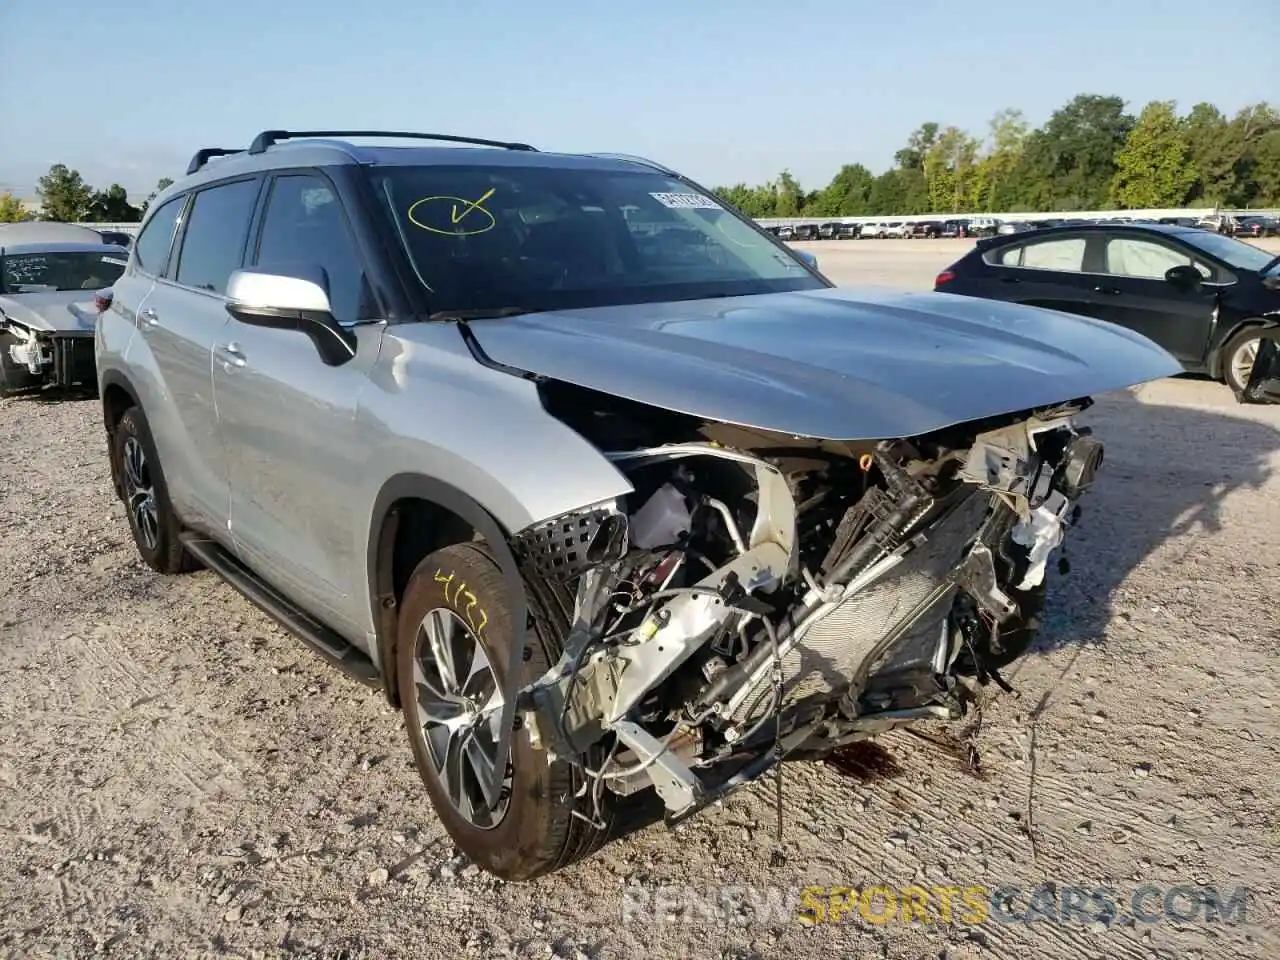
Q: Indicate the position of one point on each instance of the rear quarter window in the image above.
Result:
(151, 249)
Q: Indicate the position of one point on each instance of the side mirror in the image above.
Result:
(1264, 380)
(808, 258)
(1184, 277)
(293, 299)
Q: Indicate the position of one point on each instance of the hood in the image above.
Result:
(834, 364)
(69, 311)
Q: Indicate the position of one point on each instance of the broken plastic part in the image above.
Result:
(662, 520)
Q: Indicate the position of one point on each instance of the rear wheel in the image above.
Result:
(155, 527)
(451, 659)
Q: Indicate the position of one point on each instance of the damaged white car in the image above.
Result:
(605, 487)
(54, 278)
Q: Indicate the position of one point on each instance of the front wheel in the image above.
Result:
(452, 655)
(1239, 355)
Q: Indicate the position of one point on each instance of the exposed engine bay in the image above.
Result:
(759, 597)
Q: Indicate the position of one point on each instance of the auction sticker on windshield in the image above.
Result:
(685, 201)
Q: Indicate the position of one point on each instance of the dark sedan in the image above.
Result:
(1202, 296)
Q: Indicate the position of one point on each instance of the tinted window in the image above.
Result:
(151, 249)
(304, 225)
(1065, 254)
(485, 237)
(1133, 257)
(213, 244)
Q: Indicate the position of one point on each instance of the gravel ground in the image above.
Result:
(181, 779)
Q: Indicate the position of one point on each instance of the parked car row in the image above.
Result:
(978, 227)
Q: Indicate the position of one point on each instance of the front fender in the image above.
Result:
(432, 410)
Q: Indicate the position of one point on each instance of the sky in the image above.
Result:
(724, 90)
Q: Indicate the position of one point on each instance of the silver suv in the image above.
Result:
(602, 485)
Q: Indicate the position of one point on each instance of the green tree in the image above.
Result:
(1265, 170)
(913, 155)
(753, 201)
(163, 184)
(788, 197)
(846, 195)
(64, 195)
(1075, 160)
(1213, 152)
(112, 206)
(1250, 128)
(11, 209)
(949, 169)
(993, 185)
(1152, 168)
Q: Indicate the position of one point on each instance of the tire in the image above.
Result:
(155, 527)
(533, 832)
(1230, 375)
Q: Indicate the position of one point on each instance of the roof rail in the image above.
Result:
(631, 158)
(208, 153)
(269, 137)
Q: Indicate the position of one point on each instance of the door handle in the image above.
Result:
(1010, 279)
(1111, 291)
(149, 317)
(231, 355)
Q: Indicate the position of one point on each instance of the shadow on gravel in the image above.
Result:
(51, 396)
(1167, 472)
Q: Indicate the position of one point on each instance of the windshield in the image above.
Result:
(58, 271)
(1237, 253)
(545, 238)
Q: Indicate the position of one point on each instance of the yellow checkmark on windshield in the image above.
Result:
(455, 216)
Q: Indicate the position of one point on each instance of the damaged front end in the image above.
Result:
(31, 359)
(760, 596)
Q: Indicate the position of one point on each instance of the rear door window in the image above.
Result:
(1064, 254)
(214, 239)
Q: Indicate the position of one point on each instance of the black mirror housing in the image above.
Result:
(1184, 276)
(294, 299)
(335, 344)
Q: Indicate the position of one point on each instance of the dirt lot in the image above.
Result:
(181, 779)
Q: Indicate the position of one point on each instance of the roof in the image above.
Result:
(311, 152)
(46, 231)
(1168, 229)
(55, 247)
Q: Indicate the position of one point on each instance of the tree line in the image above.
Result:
(1089, 155)
(65, 197)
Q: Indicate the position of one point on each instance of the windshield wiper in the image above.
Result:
(479, 313)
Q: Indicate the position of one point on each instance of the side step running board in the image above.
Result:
(266, 598)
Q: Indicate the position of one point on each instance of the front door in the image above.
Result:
(295, 458)
(1135, 294)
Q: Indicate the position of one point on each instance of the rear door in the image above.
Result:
(1046, 272)
(183, 317)
(1134, 294)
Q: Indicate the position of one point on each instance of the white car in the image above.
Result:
(52, 276)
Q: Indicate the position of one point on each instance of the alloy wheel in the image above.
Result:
(459, 707)
(1243, 359)
(140, 494)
